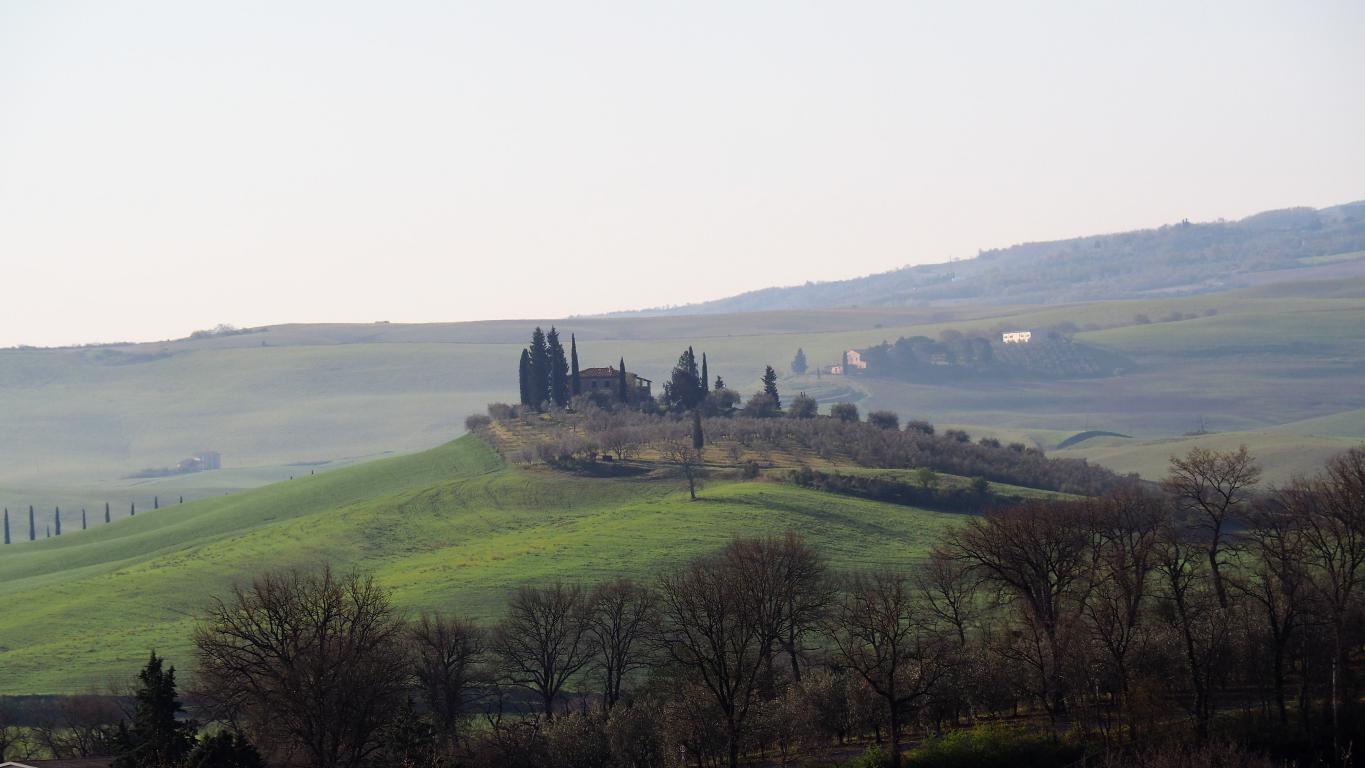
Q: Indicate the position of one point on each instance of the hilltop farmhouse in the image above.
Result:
(1016, 337)
(607, 379)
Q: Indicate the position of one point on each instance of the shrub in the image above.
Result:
(994, 747)
(502, 411)
(957, 435)
(921, 426)
(844, 412)
(884, 420)
(872, 757)
(803, 406)
(476, 421)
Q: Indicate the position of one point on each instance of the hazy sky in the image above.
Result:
(167, 166)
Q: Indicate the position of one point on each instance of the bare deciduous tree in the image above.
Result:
(307, 661)
(709, 629)
(880, 636)
(1042, 556)
(541, 642)
(619, 615)
(688, 461)
(445, 653)
(1212, 487)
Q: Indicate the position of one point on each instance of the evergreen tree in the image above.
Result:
(622, 393)
(57, 513)
(698, 439)
(558, 383)
(683, 389)
(6, 525)
(720, 383)
(575, 386)
(157, 738)
(85, 524)
(705, 378)
(225, 749)
(156, 502)
(32, 526)
(524, 377)
(540, 370)
(132, 508)
(799, 362)
(770, 386)
(106, 511)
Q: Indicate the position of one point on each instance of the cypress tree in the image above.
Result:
(106, 511)
(770, 386)
(705, 377)
(85, 524)
(799, 362)
(558, 383)
(575, 387)
(720, 383)
(58, 514)
(621, 393)
(132, 509)
(6, 525)
(524, 377)
(156, 502)
(540, 370)
(698, 439)
(32, 526)
(48, 535)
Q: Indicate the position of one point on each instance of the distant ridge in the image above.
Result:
(1293, 244)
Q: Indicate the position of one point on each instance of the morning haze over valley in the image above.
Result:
(757, 386)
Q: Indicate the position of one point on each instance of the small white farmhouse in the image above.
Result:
(1016, 337)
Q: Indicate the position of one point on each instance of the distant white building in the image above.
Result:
(853, 360)
(1016, 337)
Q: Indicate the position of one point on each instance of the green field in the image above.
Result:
(451, 528)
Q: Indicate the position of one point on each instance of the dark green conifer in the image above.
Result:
(32, 525)
(705, 377)
(57, 514)
(770, 386)
(157, 738)
(558, 383)
(575, 386)
(85, 523)
(698, 439)
(524, 377)
(540, 370)
(720, 383)
(6, 525)
(621, 392)
(799, 362)
(106, 511)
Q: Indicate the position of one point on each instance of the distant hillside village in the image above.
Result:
(1016, 353)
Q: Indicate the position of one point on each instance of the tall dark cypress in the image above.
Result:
(698, 439)
(32, 525)
(705, 378)
(558, 383)
(524, 377)
(6, 525)
(132, 508)
(106, 511)
(540, 370)
(156, 502)
(58, 514)
(85, 523)
(575, 387)
(621, 393)
(770, 386)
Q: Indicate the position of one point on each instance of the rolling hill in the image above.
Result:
(451, 528)
(1272, 247)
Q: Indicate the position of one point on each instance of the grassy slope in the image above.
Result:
(451, 527)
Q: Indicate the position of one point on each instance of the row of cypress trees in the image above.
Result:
(547, 376)
(57, 519)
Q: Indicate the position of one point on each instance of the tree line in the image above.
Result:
(1202, 613)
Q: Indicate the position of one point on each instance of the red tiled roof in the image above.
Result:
(597, 372)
